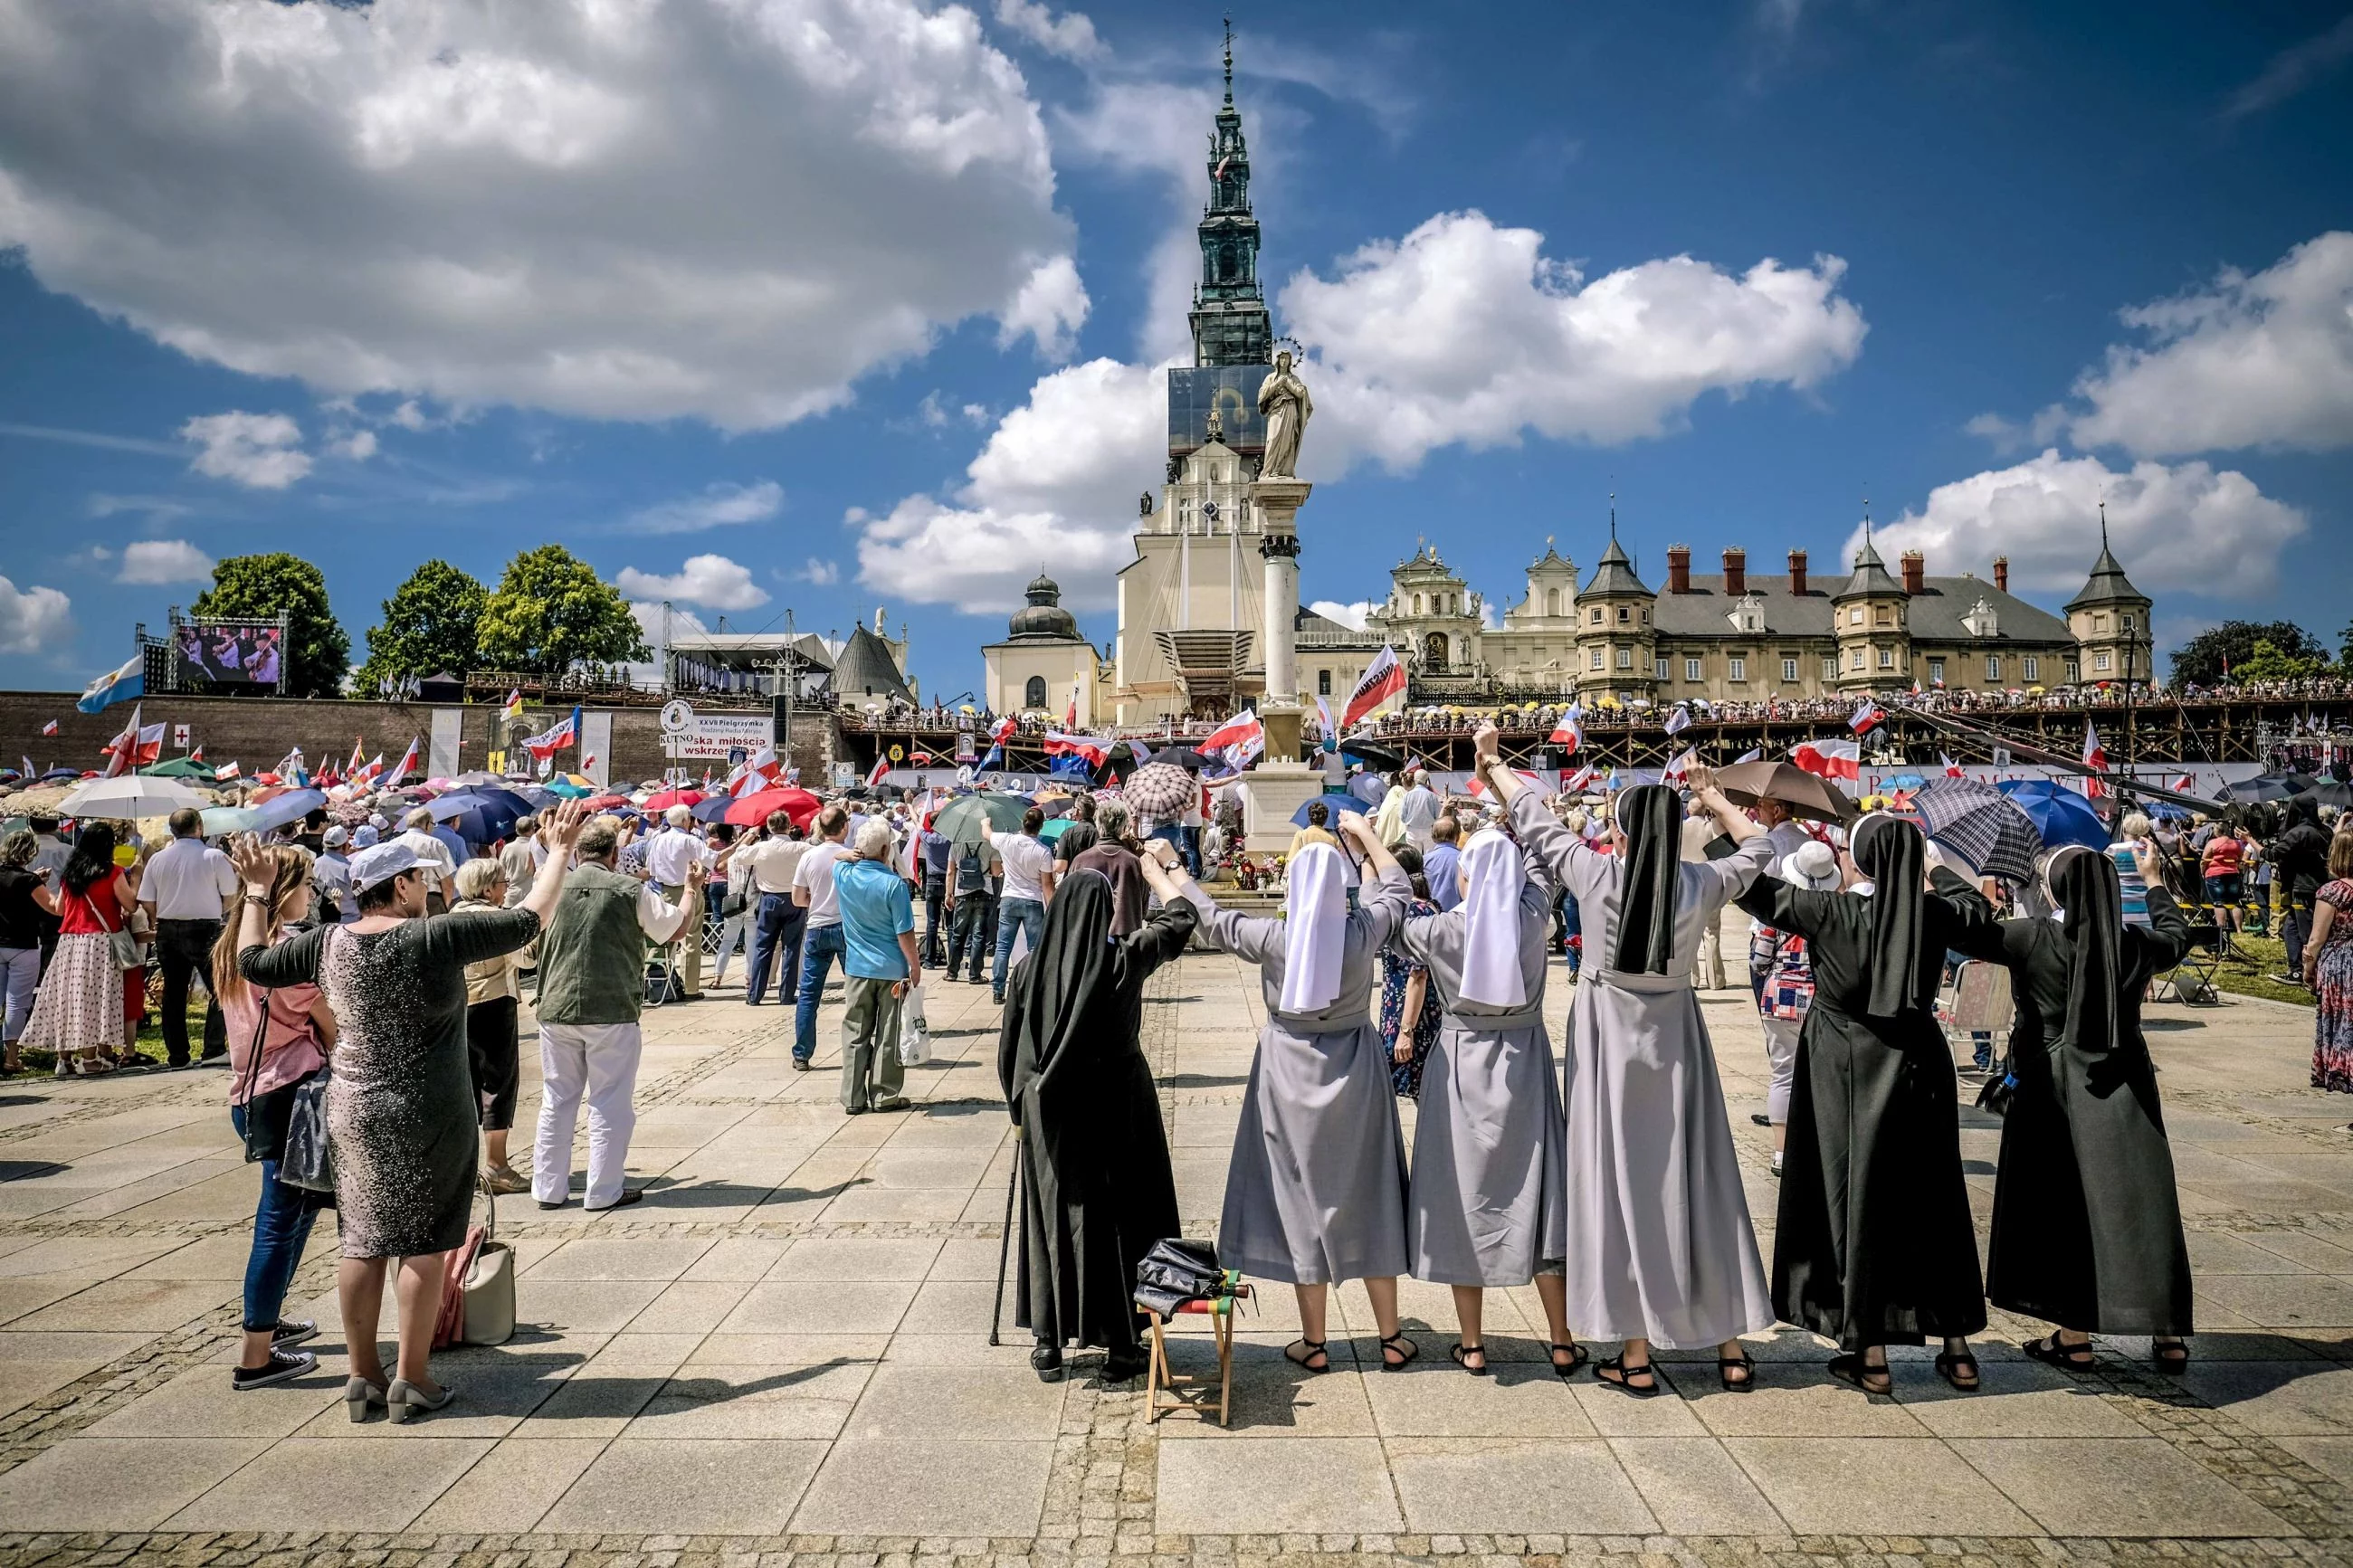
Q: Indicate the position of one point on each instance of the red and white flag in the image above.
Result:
(1867, 718)
(1238, 739)
(1571, 782)
(2185, 782)
(1070, 714)
(50, 728)
(1952, 769)
(226, 772)
(1680, 769)
(1479, 787)
(121, 752)
(2094, 756)
(359, 759)
(1829, 758)
(407, 763)
(197, 756)
(1095, 749)
(1569, 733)
(881, 768)
(1383, 679)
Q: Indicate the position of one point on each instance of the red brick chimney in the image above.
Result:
(1735, 572)
(1678, 568)
(1798, 572)
(2001, 572)
(1915, 573)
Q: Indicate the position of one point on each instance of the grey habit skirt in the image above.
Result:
(1489, 1200)
(1315, 1193)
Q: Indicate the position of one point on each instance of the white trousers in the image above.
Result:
(1707, 963)
(1780, 1065)
(599, 1060)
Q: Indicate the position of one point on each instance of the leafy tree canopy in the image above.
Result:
(2221, 653)
(2268, 662)
(430, 624)
(257, 587)
(552, 611)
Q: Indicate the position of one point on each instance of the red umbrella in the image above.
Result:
(606, 802)
(797, 804)
(669, 797)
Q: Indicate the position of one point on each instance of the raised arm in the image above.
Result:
(2166, 940)
(560, 830)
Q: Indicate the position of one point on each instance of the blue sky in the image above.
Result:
(824, 306)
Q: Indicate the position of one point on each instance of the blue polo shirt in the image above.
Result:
(1441, 867)
(875, 908)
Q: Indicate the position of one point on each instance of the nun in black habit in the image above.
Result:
(1096, 1187)
(2086, 1222)
(1872, 1243)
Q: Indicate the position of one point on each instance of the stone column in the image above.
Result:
(1279, 501)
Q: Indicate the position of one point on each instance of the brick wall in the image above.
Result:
(256, 732)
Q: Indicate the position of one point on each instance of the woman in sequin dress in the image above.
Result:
(401, 1109)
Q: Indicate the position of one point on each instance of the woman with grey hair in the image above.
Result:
(1116, 853)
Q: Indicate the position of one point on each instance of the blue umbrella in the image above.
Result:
(1367, 788)
(713, 807)
(1334, 801)
(480, 816)
(1906, 781)
(2060, 814)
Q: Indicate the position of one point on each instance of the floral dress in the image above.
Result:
(2332, 1048)
(1397, 970)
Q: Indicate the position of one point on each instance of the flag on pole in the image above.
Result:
(1572, 782)
(1383, 679)
(115, 685)
(1239, 740)
(50, 728)
(1680, 769)
(1095, 749)
(359, 759)
(1867, 718)
(1679, 721)
(1829, 758)
(1070, 714)
(30, 771)
(1569, 733)
(407, 761)
(2185, 782)
(1324, 717)
(226, 772)
(876, 775)
(197, 756)
(547, 742)
(512, 707)
(121, 749)
(2094, 756)
(1952, 769)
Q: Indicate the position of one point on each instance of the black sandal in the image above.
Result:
(1853, 1369)
(1744, 1362)
(1577, 1356)
(1404, 1348)
(2050, 1353)
(1949, 1367)
(2172, 1358)
(1460, 1354)
(1313, 1348)
(1625, 1375)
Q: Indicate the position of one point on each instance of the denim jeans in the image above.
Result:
(974, 933)
(185, 948)
(21, 967)
(776, 926)
(281, 1228)
(1012, 915)
(935, 930)
(819, 948)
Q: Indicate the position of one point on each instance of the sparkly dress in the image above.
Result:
(1397, 968)
(401, 1109)
(2332, 1025)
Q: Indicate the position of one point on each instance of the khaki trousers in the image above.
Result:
(869, 1044)
(686, 947)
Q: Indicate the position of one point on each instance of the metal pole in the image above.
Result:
(1005, 1242)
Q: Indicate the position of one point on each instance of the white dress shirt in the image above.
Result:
(186, 880)
(669, 854)
(433, 856)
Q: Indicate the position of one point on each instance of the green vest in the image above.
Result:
(592, 957)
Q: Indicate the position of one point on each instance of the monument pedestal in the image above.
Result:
(1277, 791)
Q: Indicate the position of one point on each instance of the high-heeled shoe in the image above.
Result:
(358, 1394)
(405, 1399)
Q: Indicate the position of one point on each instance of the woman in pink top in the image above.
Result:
(267, 1062)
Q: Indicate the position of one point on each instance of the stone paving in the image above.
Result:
(782, 1354)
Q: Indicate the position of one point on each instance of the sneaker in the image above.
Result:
(292, 1331)
(1776, 1162)
(800, 1062)
(284, 1366)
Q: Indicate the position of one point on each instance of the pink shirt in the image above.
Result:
(289, 1047)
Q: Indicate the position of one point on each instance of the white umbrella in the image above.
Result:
(131, 796)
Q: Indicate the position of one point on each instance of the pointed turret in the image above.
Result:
(1230, 324)
(2110, 620)
(1870, 577)
(2107, 584)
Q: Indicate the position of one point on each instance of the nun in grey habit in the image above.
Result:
(1661, 1249)
(1488, 1201)
(1316, 1190)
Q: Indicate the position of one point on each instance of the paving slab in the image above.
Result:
(127, 1483)
(373, 1486)
(700, 1486)
(894, 1487)
(1876, 1486)
(1515, 1486)
(2138, 1487)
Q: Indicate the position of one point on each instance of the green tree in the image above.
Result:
(257, 587)
(430, 624)
(2220, 653)
(552, 611)
(2267, 662)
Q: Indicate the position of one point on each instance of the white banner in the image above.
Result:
(713, 738)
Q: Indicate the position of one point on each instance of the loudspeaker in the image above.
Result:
(780, 730)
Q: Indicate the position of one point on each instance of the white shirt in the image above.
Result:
(773, 862)
(1026, 860)
(669, 854)
(816, 873)
(51, 858)
(437, 867)
(656, 916)
(186, 880)
(1418, 811)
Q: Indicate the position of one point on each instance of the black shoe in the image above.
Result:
(292, 1331)
(556, 1204)
(284, 1366)
(1121, 1368)
(1046, 1362)
(1759, 1118)
(998, 997)
(629, 1196)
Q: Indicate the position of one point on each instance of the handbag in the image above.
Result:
(260, 1128)
(308, 1162)
(477, 1296)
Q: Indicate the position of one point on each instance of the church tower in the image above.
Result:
(1231, 325)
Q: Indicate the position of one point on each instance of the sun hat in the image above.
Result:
(380, 863)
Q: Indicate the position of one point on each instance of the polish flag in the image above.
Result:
(2094, 756)
(1478, 786)
(1070, 714)
(1867, 718)
(1242, 726)
(1572, 782)
(353, 769)
(1569, 733)
(1680, 769)
(1952, 769)
(50, 728)
(547, 742)
(2185, 782)
(224, 772)
(1829, 759)
(881, 768)
(197, 756)
(119, 751)
(1383, 679)
(1093, 747)
(407, 763)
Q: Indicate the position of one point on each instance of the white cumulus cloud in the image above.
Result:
(819, 572)
(1051, 307)
(2178, 528)
(1071, 35)
(1465, 332)
(714, 505)
(2261, 359)
(33, 620)
(712, 580)
(157, 561)
(1349, 615)
(727, 209)
(262, 451)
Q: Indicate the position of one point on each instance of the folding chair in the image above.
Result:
(1980, 1003)
(2192, 980)
(1219, 1311)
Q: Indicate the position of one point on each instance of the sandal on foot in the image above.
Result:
(1950, 1366)
(1460, 1354)
(1744, 1363)
(1577, 1356)
(2066, 1358)
(2171, 1356)
(1310, 1351)
(1853, 1369)
(1618, 1374)
(1404, 1349)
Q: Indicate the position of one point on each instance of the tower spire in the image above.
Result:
(2104, 525)
(1229, 320)
(1613, 517)
(1230, 62)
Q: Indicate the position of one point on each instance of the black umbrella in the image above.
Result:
(1372, 753)
(1185, 757)
(2269, 786)
(2329, 792)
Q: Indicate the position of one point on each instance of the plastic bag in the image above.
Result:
(914, 1029)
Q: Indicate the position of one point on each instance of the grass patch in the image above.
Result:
(2249, 974)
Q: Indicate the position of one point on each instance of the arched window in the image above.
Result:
(1417, 604)
(1034, 694)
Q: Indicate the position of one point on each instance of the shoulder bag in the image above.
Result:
(478, 1297)
(308, 1162)
(262, 1130)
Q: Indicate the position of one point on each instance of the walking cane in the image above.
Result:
(1004, 1245)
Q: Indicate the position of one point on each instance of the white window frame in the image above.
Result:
(1692, 669)
(1738, 666)
(1789, 670)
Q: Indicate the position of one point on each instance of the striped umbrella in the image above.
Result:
(1982, 825)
